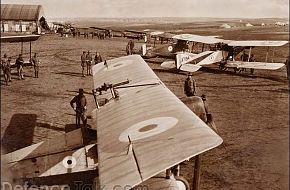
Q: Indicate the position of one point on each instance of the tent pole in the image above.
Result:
(29, 50)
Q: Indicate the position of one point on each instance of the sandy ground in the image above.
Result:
(251, 112)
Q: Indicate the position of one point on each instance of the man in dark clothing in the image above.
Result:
(252, 59)
(6, 67)
(189, 86)
(98, 58)
(80, 108)
(35, 62)
(19, 63)
(131, 46)
(83, 63)
(89, 60)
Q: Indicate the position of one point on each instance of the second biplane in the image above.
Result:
(223, 52)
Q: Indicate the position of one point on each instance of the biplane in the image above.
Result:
(219, 51)
(143, 129)
(135, 34)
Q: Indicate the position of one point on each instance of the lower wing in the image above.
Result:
(255, 65)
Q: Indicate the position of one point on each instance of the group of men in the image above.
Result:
(86, 61)
(6, 67)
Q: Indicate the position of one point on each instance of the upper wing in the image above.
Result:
(197, 38)
(255, 65)
(24, 38)
(162, 130)
(257, 43)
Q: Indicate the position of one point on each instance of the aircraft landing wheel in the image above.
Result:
(182, 183)
(252, 71)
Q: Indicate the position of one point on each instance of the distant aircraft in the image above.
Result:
(138, 137)
(220, 51)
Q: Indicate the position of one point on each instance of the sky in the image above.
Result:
(160, 8)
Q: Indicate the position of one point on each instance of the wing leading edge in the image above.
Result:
(147, 129)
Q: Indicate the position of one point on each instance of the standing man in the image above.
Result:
(131, 46)
(89, 60)
(5, 64)
(35, 62)
(98, 58)
(128, 51)
(19, 63)
(80, 108)
(190, 86)
(252, 59)
(83, 63)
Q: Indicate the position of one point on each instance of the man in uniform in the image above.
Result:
(19, 63)
(131, 46)
(83, 63)
(98, 58)
(5, 64)
(80, 108)
(252, 59)
(190, 86)
(89, 63)
(35, 62)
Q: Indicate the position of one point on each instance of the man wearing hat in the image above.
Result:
(83, 63)
(5, 64)
(35, 61)
(98, 58)
(80, 108)
(19, 63)
(89, 60)
(189, 86)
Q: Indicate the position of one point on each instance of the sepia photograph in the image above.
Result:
(144, 95)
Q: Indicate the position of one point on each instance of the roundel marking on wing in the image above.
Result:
(170, 48)
(148, 128)
(69, 162)
(118, 65)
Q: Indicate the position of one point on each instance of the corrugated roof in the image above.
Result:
(21, 12)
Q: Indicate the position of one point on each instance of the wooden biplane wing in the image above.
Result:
(23, 38)
(255, 65)
(256, 43)
(197, 38)
(62, 154)
(146, 128)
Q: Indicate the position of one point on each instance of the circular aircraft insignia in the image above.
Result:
(170, 48)
(148, 128)
(118, 65)
(69, 162)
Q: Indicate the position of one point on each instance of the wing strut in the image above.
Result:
(135, 157)
(197, 171)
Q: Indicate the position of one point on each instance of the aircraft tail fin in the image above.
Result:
(215, 57)
(183, 58)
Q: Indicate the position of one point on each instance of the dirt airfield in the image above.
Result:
(250, 111)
